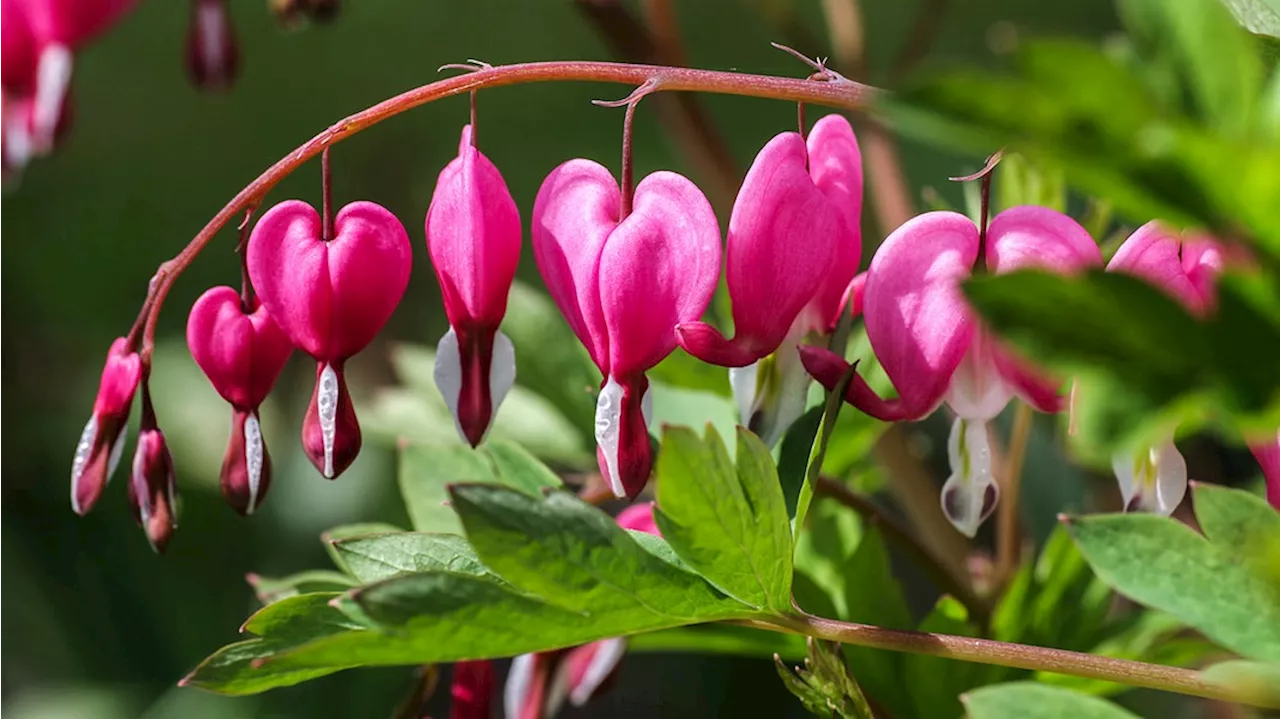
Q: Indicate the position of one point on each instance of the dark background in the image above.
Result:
(95, 624)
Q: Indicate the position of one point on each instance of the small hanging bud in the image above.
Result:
(246, 467)
(213, 57)
(330, 432)
(151, 488)
(102, 441)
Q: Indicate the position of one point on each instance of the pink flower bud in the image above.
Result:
(330, 297)
(472, 690)
(1267, 452)
(213, 58)
(623, 285)
(473, 236)
(151, 487)
(794, 244)
(102, 440)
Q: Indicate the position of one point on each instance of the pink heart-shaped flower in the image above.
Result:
(330, 298)
(240, 352)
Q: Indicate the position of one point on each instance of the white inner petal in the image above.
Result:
(970, 493)
(502, 371)
(139, 479)
(607, 655)
(977, 390)
(519, 683)
(608, 429)
(1153, 479)
(742, 380)
(253, 459)
(448, 375)
(327, 408)
(84, 448)
(53, 75)
(17, 137)
(117, 450)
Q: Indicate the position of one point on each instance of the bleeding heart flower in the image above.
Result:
(102, 441)
(575, 674)
(473, 235)
(213, 59)
(152, 495)
(330, 297)
(242, 353)
(933, 347)
(1154, 479)
(471, 692)
(1267, 452)
(623, 284)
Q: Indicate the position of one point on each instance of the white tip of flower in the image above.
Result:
(977, 391)
(253, 456)
(1153, 479)
(327, 409)
(448, 375)
(771, 394)
(502, 370)
(84, 448)
(608, 430)
(53, 78)
(518, 686)
(970, 493)
(607, 654)
(742, 380)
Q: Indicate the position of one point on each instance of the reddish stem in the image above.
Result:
(628, 172)
(842, 93)
(326, 185)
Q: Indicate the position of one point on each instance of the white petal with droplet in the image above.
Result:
(608, 429)
(84, 448)
(448, 375)
(743, 382)
(253, 458)
(1153, 479)
(327, 408)
(970, 493)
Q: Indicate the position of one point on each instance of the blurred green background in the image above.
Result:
(94, 624)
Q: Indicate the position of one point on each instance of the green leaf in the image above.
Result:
(823, 551)
(1244, 334)
(793, 457)
(823, 685)
(872, 595)
(375, 557)
(936, 683)
(1164, 564)
(424, 474)
(728, 523)
(329, 536)
(573, 555)
(273, 589)
(516, 467)
(1260, 17)
(721, 639)
(1028, 700)
(1235, 519)
(1254, 682)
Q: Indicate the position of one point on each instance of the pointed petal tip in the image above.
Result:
(707, 344)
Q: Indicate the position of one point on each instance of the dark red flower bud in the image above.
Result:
(151, 488)
(330, 432)
(213, 57)
(246, 467)
(472, 690)
(102, 440)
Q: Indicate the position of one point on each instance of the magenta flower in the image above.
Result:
(473, 235)
(152, 495)
(933, 347)
(213, 58)
(1154, 478)
(242, 353)
(330, 297)
(39, 39)
(623, 285)
(102, 441)
(794, 245)
(471, 692)
(575, 674)
(1267, 453)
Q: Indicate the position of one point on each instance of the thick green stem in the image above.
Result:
(1006, 654)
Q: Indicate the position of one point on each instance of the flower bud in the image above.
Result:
(213, 58)
(151, 489)
(246, 467)
(102, 440)
(330, 432)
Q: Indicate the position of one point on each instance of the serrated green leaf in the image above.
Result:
(273, 589)
(1028, 700)
(727, 522)
(329, 536)
(424, 473)
(1164, 564)
(569, 553)
(374, 557)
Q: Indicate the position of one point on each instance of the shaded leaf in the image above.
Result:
(1028, 700)
(372, 558)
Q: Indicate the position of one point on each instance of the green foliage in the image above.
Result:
(374, 557)
(1027, 700)
(1212, 585)
(273, 589)
(727, 522)
(1255, 681)
(823, 685)
(725, 639)
(935, 683)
